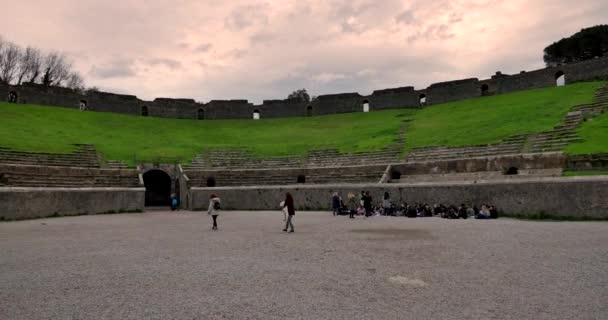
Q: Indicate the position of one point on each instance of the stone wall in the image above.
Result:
(582, 162)
(494, 163)
(567, 197)
(393, 98)
(25, 203)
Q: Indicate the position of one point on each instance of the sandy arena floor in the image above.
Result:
(162, 265)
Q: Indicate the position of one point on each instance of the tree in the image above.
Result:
(301, 94)
(29, 65)
(10, 55)
(56, 69)
(75, 82)
(583, 45)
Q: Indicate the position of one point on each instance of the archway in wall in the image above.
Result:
(201, 114)
(309, 111)
(485, 89)
(158, 188)
(82, 105)
(144, 111)
(560, 79)
(256, 114)
(422, 99)
(12, 96)
(365, 106)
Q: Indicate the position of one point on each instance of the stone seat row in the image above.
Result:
(475, 176)
(45, 176)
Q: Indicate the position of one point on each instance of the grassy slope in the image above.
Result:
(473, 121)
(36, 128)
(594, 133)
(490, 119)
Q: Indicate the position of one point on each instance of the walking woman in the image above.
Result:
(214, 209)
(290, 212)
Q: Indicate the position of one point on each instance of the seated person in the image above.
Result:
(493, 212)
(484, 213)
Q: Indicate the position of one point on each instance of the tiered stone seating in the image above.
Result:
(565, 133)
(252, 177)
(478, 176)
(116, 164)
(511, 145)
(331, 157)
(43, 176)
(84, 156)
(239, 159)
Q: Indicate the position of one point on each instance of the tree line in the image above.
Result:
(19, 65)
(589, 43)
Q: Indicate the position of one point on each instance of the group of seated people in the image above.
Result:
(387, 208)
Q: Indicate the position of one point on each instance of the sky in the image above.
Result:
(255, 50)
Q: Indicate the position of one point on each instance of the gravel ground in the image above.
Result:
(162, 265)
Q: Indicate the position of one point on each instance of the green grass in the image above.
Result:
(491, 119)
(133, 138)
(594, 135)
(123, 137)
(585, 173)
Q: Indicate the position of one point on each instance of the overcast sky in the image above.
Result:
(216, 49)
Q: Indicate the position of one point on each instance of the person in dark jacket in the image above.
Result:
(335, 204)
(290, 212)
(367, 204)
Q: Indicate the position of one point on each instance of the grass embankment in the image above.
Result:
(491, 119)
(121, 137)
(568, 173)
(594, 135)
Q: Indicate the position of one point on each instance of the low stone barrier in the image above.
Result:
(577, 197)
(26, 203)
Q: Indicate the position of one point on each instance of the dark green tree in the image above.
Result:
(301, 94)
(586, 44)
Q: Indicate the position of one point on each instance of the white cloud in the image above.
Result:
(263, 49)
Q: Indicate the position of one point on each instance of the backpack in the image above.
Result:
(216, 205)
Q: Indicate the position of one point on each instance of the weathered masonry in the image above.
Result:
(394, 98)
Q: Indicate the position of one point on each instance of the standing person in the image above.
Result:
(214, 209)
(335, 204)
(290, 212)
(352, 206)
(386, 204)
(367, 204)
(174, 202)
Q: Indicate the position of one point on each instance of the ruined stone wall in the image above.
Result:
(394, 98)
(27, 203)
(567, 197)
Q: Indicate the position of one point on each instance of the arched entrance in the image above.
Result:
(12, 97)
(256, 114)
(158, 188)
(144, 111)
(485, 89)
(82, 105)
(560, 79)
(309, 111)
(422, 99)
(365, 105)
(201, 114)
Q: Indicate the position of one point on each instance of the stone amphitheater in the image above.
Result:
(522, 175)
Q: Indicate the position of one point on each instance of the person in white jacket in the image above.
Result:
(214, 209)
